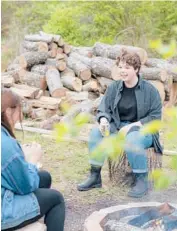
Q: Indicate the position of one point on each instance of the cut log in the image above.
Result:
(113, 51)
(91, 85)
(41, 113)
(163, 64)
(77, 96)
(41, 93)
(80, 69)
(75, 110)
(35, 46)
(13, 67)
(93, 95)
(60, 50)
(104, 83)
(15, 73)
(98, 65)
(61, 65)
(102, 67)
(34, 79)
(66, 48)
(173, 96)
(7, 81)
(32, 58)
(85, 51)
(67, 72)
(154, 74)
(56, 38)
(72, 83)
(39, 38)
(53, 81)
(160, 87)
(25, 91)
(46, 102)
(87, 106)
(60, 56)
(53, 50)
(49, 123)
(40, 69)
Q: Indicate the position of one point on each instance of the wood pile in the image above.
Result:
(49, 72)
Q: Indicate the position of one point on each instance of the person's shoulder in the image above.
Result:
(115, 84)
(148, 85)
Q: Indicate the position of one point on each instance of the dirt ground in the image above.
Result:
(68, 164)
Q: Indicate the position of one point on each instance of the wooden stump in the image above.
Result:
(119, 168)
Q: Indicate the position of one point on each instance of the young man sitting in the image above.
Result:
(127, 105)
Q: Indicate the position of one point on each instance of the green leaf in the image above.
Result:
(152, 127)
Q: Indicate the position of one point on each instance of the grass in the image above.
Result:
(68, 164)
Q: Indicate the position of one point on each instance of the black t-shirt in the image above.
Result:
(127, 105)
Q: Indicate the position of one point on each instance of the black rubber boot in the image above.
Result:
(141, 186)
(93, 181)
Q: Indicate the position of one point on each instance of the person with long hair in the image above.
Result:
(25, 192)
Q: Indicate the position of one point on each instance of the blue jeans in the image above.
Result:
(135, 146)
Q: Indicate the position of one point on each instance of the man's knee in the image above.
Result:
(57, 196)
(133, 141)
(45, 179)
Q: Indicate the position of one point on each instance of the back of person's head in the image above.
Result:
(11, 111)
(130, 58)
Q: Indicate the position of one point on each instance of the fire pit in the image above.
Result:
(151, 216)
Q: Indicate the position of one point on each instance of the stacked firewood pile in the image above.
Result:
(49, 72)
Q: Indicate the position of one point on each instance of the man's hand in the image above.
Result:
(104, 126)
(126, 128)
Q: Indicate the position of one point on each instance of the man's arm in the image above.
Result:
(104, 109)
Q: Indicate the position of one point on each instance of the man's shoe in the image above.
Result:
(93, 181)
(141, 186)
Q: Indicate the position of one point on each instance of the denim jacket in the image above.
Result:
(18, 181)
(149, 106)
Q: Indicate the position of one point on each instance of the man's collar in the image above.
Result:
(138, 86)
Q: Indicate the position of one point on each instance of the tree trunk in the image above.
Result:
(25, 91)
(98, 65)
(163, 64)
(160, 87)
(35, 46)
(49, 123)
(32, 58)
(55, 38)
(173, 96)
(53, 50)
(67, 72)
(7, 81)
(59, 50)
(80, 69)
(91, 85)
(61, 65)
(154, 74)
(67, 49)
(39, 38)
(104, 82)
(34, 80)
(46, 102)
(113, 51)
(60, 56)
(85, 51)
(40, 69)
(53, 81)
(72, 83)
(77, 96)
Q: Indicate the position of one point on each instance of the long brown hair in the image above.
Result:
(9, 100)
